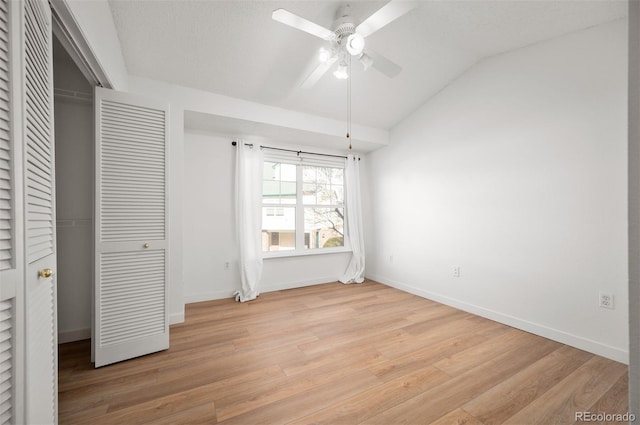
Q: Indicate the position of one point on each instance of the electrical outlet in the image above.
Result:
(606, 300)
(456, 271)
(226, 265)
(391, 259)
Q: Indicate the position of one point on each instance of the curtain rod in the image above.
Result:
(234, 143)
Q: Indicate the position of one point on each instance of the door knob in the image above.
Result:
(145, 245)
(45, 273)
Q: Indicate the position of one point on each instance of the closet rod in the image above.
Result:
(234, 143)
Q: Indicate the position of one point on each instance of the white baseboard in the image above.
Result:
(176, 318)
(292, 285)
(220, 295)
(589, 345)
(74, 335)
(207, 296)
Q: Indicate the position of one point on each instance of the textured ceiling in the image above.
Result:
(234, 48)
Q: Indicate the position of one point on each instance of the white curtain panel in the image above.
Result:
(249, 165)
(355, 270)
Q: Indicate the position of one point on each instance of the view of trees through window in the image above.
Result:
(303, 207)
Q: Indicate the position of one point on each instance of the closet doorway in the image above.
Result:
(74, 158)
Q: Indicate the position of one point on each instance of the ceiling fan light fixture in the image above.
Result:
(366, 61)
(355, 44)
(341, 73)
(324, 55)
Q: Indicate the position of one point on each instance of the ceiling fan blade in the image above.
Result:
(384, 65)
(317, 73)
(385, 15)
(295, 21)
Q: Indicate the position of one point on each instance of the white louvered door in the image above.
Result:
(39, 209)
(8, 267)
(6, 362)
(6, 198)
(130, 298)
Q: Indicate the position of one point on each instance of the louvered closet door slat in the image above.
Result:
(39, 137)
(123, 301)
(6, 208)
(6, 361)
(131, 231)
(7, 221)
(144, 199)
(39, 213)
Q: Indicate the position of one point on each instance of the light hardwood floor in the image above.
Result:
(341, 354)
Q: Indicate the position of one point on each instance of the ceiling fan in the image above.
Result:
(347, 39)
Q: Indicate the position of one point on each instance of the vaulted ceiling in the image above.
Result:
(235, 48)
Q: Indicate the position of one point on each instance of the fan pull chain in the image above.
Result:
(349, 102)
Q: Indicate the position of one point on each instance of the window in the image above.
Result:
(302, 206)
(323, 200)
(279, 187)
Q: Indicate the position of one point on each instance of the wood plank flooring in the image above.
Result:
(341, 354)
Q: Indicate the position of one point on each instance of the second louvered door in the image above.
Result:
(131, 304)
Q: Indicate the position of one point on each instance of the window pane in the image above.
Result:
(337, 176)
(325, 227)
(288, 189)
(309, 193)
(270, 188)
(324, 175)
(309, 174)
(278, 229)
(279, 183)
(288, 172)
(324, 195)
(337, 195)
(271, 171)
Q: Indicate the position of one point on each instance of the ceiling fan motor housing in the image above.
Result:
(343, 31)
(344, 28)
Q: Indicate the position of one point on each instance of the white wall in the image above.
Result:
(516, 172)
(209, 231)
(74, 200)
(74, 168)
(189, 99)
(634, 207)
(95, 21)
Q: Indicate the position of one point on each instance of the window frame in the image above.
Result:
(299, 207)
